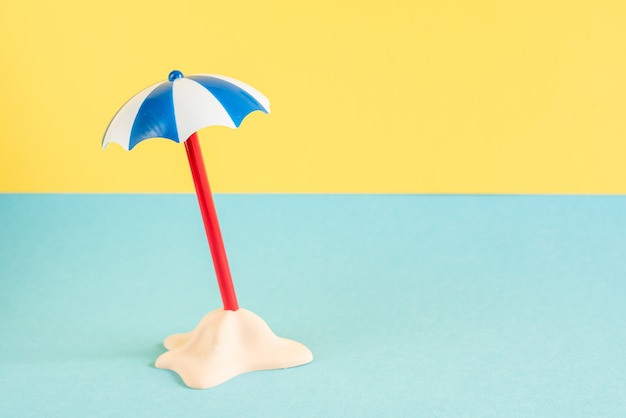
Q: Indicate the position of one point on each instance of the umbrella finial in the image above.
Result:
(174, 75)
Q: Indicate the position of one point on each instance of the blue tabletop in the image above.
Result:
(434, 306)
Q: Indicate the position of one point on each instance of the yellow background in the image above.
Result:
(367, 96)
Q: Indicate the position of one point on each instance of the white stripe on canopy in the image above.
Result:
(195, 107)
(120, 128)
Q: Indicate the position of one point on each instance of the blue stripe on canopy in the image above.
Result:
(237, 102)
(155, 118)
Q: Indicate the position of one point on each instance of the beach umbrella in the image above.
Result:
(176, 109)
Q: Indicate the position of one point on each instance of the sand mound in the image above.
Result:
(226, 344)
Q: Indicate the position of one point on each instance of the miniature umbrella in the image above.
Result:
(227, 342)
(176, 109)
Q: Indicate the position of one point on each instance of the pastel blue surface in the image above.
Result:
(434, 306)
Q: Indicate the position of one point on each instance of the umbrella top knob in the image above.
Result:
(174, 75)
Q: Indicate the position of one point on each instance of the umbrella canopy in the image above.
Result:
(177, 108)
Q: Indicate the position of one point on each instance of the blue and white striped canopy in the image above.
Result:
(177, 108)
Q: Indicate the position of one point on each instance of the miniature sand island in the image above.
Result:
(226, 344)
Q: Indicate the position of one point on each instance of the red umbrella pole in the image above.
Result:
(211, 226)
